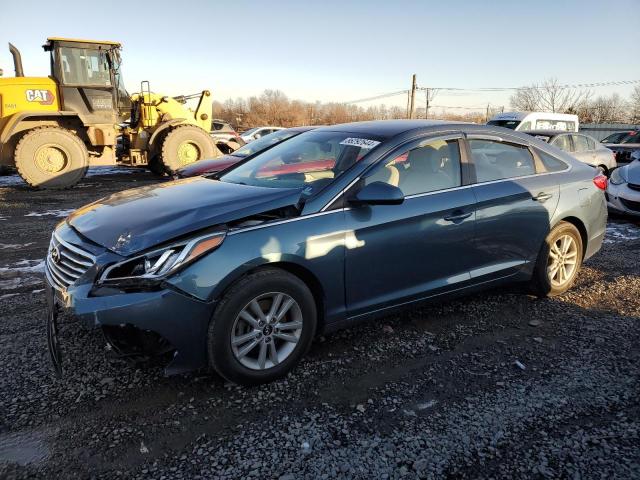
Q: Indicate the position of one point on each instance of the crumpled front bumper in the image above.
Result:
(178, 318)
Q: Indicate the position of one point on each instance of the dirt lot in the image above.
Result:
(497, 385)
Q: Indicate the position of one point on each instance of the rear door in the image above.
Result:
(582, 149)
(400, 253)
(515, 203)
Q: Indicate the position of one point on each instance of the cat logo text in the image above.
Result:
(43, 97)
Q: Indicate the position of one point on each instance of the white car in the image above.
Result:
(258, 132)
(536, 121)
(623, 191)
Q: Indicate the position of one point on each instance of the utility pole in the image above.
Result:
(412, 98)
(486, 117)
(426, 110)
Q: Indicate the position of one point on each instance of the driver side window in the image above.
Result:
(430, 167)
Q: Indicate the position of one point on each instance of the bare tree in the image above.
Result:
(549, 96)
(634, 106)
(611, 109)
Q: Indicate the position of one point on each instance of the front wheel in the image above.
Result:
(559, 261)
(51, 158)
(186, 144)
(262, 327)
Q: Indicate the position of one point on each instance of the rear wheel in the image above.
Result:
(604, 170)
(186, 144)
(262, 327)
(559, 261)
(51, 158)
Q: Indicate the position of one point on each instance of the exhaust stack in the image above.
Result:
(17, 60)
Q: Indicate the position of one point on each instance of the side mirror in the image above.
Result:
(378, 193)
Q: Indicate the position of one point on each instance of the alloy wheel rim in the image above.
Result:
(188, 152)
(51, 159)
(266, 331)
(563, 259)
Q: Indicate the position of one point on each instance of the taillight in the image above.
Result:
(600, 181)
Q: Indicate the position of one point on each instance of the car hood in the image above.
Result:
(209, 165)
(134, 220)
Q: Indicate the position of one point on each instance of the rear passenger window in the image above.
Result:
(563, 143)
(591, 142)
(496, 160)
(428, 168)
(580, 143)
(551, 163)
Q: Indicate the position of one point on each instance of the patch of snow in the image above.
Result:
(17, 282)
(52, 213)
(621, 232)
(8, 295)
(111, 170)
(10, 180)
(14, 246)
(24, 266)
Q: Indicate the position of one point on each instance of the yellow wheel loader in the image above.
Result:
(53, 128)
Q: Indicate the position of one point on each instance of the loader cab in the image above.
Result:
(89, 79)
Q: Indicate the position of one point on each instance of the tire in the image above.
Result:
(542, 284)
(604, 170)
(51, 158)
(186, 144)
(156, 167)
(227, 325)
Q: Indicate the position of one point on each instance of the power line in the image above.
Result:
(378, 97)
(502, 89)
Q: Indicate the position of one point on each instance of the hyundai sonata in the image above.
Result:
(240, 270)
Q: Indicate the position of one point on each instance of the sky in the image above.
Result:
(342, 50)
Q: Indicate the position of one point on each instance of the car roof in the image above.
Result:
(391, 128)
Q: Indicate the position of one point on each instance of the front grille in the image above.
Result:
(634, 186)
(66, 263)
(635, 206)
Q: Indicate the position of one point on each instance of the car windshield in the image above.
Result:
(632, 137)
(250, 131)
(623, 137)
(264, 142)
(512, 124)
(309, 161)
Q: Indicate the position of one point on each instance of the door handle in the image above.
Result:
(542, 197)
(457, 216)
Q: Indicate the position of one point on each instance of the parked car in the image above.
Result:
(255, 133)
(221, 130)
(240, 270)
(623, 144)
(212, 165)
(522, 121)
(581, 146)
(623, 192)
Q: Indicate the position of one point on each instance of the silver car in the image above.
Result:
(581, 146)
(623, 191)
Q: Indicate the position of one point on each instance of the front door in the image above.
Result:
(400, 253)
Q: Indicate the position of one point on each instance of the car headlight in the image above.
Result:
(160, 263)
(618, 176)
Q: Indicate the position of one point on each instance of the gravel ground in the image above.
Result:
(498, 385)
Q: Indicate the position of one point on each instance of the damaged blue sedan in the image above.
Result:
(238, 271)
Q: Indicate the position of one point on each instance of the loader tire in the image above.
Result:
(186, 144)
(51, 158)
(156, 167)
